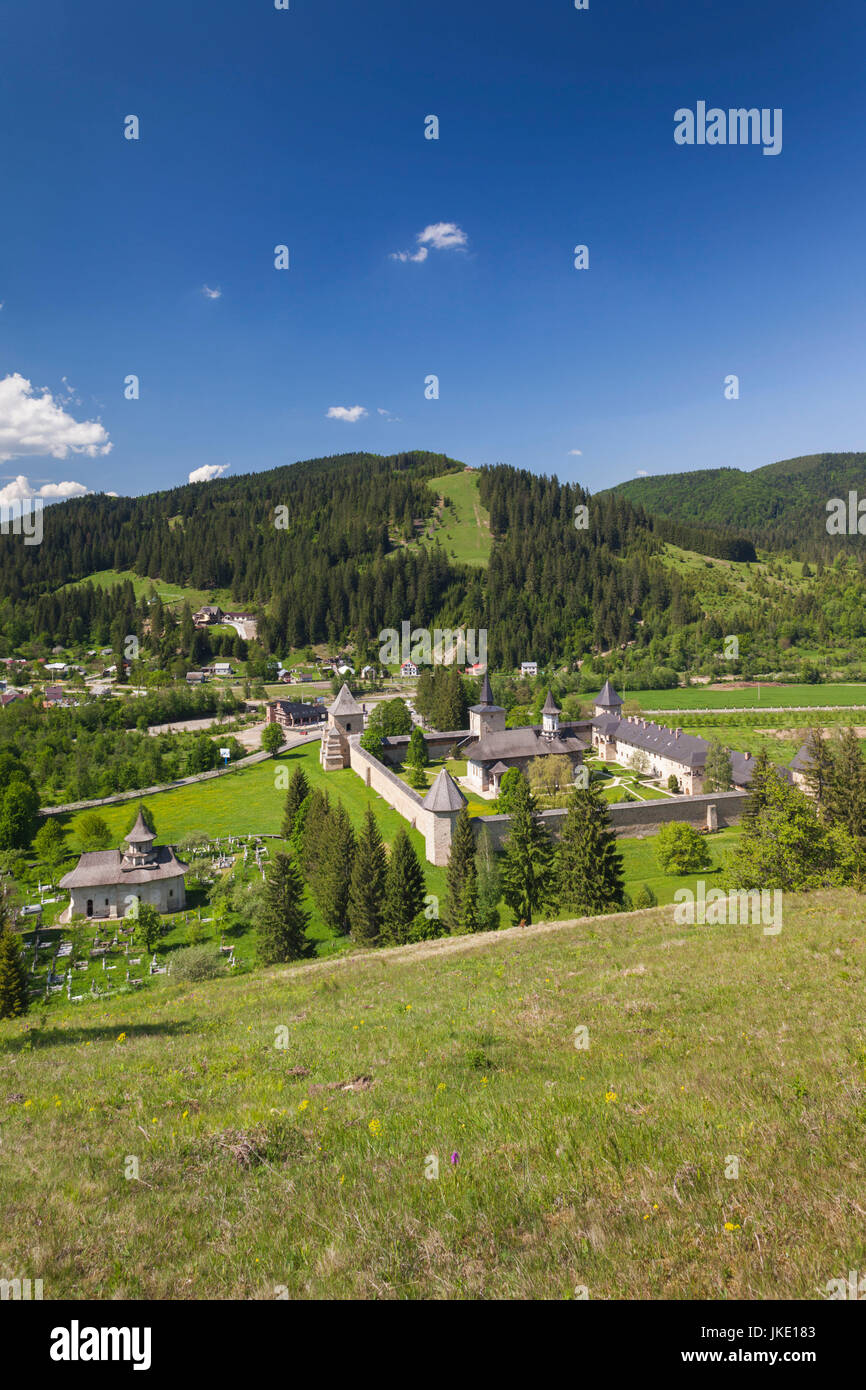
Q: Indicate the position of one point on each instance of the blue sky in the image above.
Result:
(305, 127)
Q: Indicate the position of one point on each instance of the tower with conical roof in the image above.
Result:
(550, 717)
(444, 801)
(486, 717)
(139, 851)
(607, 701)
(345, 717)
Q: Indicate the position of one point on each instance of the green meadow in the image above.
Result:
(621, 1108)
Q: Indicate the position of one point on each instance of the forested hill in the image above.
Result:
(329, 550)
(781, 507)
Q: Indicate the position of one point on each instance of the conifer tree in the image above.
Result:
(14, 999)
(763, 775)
(367, 887)
(470, 920)
(315, 824)
(489, 884)
(819, 773)
(527, 860)
(298, 788)
(462, 857)
(334, 870)
(846, 793)
(588, 870)
(404, 890)
(283, 921)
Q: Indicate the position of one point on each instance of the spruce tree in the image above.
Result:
(846, 793)
(334, 870)
(819, 773)
(367, 887)
(462, 856)
(315, 826)
(763, 775)
(404, 890)
(527, 860)
(283, 920)
(14, 999)
(588, 873)
(298, 788)
(489, 884)
(470, 920)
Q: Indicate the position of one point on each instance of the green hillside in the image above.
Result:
(172, 1148)
(780, 505)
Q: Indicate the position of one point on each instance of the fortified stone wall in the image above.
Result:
(638, 818)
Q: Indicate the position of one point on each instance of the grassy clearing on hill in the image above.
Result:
(171, 594)
(304, 1168)
(464, 529)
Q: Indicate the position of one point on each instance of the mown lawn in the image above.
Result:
(166, 1146)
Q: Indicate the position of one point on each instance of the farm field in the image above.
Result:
(302, 1167)
(840, 696)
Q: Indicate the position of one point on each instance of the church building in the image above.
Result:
(105, 883)
(492, 749)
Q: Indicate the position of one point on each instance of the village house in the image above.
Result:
(107, 883)
(294, 714)
(210, 613)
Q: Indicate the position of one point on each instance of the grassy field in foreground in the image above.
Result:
(303, 1167)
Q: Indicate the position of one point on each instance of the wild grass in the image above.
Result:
(301, 1168)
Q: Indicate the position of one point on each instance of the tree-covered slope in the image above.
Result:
(780, 506)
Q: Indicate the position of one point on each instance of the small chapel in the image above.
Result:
(104, 883)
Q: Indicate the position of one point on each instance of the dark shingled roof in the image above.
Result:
(550, 705)
(486, 696)
(521, 743)
(654, 738)
(444, 795)
(802, 759)
(345, 702)
(104, 866)
(607, 695)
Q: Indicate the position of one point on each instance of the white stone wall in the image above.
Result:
(114, 900)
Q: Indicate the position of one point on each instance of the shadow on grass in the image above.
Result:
(36, 1038)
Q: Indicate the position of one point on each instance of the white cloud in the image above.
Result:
(211, 294)
(207, 472)
(33, 424)
(576, 452)
(642, 473)
(349, 413)
(20, 488)
(440, 236)
(391, 419)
